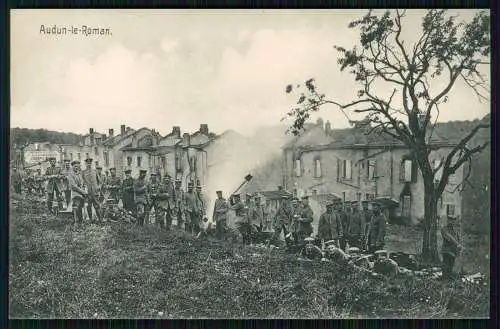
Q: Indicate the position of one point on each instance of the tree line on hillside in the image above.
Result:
(23, 136)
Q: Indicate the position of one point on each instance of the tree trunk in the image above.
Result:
(429, 244)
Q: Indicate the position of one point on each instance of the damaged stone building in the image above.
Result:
(351, 165)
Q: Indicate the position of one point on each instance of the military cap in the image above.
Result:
(295, 199)
(153, 174)
(218, 192)
(112, 168)
(248, 195)
(451, 217)
(127, 171)
(305, 197)
(98, 167)
(190, 184)
(329, 204)
(309, 239)
(75, 163)
(143, 171)
(89, 160)
(178, 181)
(51, 158)
(236, 195)
(67, 160)
(353, 250)
(258, 196)
(380, 252)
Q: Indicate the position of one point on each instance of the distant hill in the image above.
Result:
(21, 136)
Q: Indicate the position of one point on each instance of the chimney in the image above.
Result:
(111, 132)
(122, 129)
(186, 140)
(91, 131)
(204, 128)
(328, 127)
(176, 130)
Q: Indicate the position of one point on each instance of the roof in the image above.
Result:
(443, 134)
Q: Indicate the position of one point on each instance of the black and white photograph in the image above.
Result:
(249, 164)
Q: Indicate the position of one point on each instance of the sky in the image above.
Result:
(162, 68)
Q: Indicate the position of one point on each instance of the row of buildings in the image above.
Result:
(182, 156)
(323, 163)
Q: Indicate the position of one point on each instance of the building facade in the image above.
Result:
(352, 167)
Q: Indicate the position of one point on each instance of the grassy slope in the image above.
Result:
(126, 271)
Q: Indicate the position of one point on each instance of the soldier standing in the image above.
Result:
(67, 170)
(54, 184)
(356, 226)
(141, 197)
(220, 215)
(90, 178)
(78, 191)
(193, 210)
(241, 220)
(101, 182)
(329, 226)
(154, 190)
(258, 217)
(202, 200)
(128, 191)
(342, 212)
(170, 210)
(282, 219)
(451, 246)
(179, 203)
(375, 234)
(113, 184)
(16, 180)
(304, 225)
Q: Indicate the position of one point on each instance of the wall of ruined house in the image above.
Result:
(386, 183)
(119, 163)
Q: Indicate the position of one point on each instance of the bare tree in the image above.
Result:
(445, 50)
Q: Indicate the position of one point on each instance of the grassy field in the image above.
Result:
(123, 271)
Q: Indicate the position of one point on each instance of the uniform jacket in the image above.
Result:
(166, 196)
(451, 240)
(329, 226)
(90, 179)
(306, 215)
(285, 214)
(65, 182)
(114, 183)
(54, 182)
(240, 211)
(220, 209)
(141, 194)
(128, 187)
(179, 199)
(16, 178)
(101, 180)
(356, 224)
(203, 201)
(193, 204)
(258, 215)
(376, 230)
(76, 185)
(344, 220)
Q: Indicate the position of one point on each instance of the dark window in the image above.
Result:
(450, 210)
(317, 167)
(139, 161)
(372, 169)
(406, 206)
(129, 161)
(106, 158)
(345, 169)
(71, 156)
(408, 171)
(298, 167)
(79, 156)
(163, 162)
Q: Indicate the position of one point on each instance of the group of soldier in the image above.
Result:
(99, 192)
